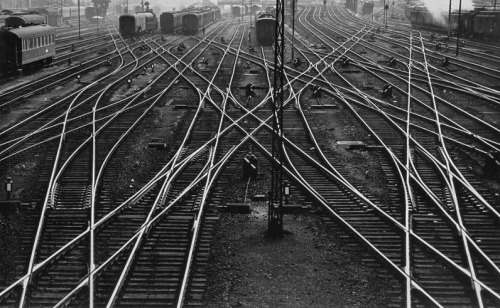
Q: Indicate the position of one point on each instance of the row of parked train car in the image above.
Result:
(32, 41)
(480, 23)
(188, 21)
(55, 16)
(238, 10)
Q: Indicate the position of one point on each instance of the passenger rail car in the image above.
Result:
(26, 46)
(16, 21)
(132, 24)
(195, 21)
(265, 27)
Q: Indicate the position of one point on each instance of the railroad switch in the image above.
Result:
(345, 62)
(393, 62)
(297, 62)
(250, 90)
(317, 91)
(8, 187)
(492, 165)
(445, 62)
(387, 90)
(250, 166)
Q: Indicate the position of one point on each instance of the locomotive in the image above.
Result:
(478, 23)
(26, 46)
(131, 24)
(194, 21)
(265, 27)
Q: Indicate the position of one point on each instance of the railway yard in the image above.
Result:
(127, 158)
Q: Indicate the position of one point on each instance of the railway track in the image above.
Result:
(434, 230)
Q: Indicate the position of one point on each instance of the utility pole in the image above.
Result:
(459, 27)
(294, 2)
(242, 11)
(79, 36)
(275, 218)
(449, 20)
(251, 12)
(386, 7)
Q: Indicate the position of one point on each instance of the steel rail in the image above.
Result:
(48, 199)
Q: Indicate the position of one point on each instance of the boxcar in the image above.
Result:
(265, 27)
(352, 5)
(193, 22)
(238, 10)
(367, 8)
(90, 12)
(26, 46)
(486, 24)
(254, 9)
(16, 21)
(53, 15)
(71, 13)
(132, 24)
(171, 22)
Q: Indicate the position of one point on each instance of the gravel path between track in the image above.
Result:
(306, 268)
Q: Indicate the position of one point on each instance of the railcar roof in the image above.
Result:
(31, 31)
